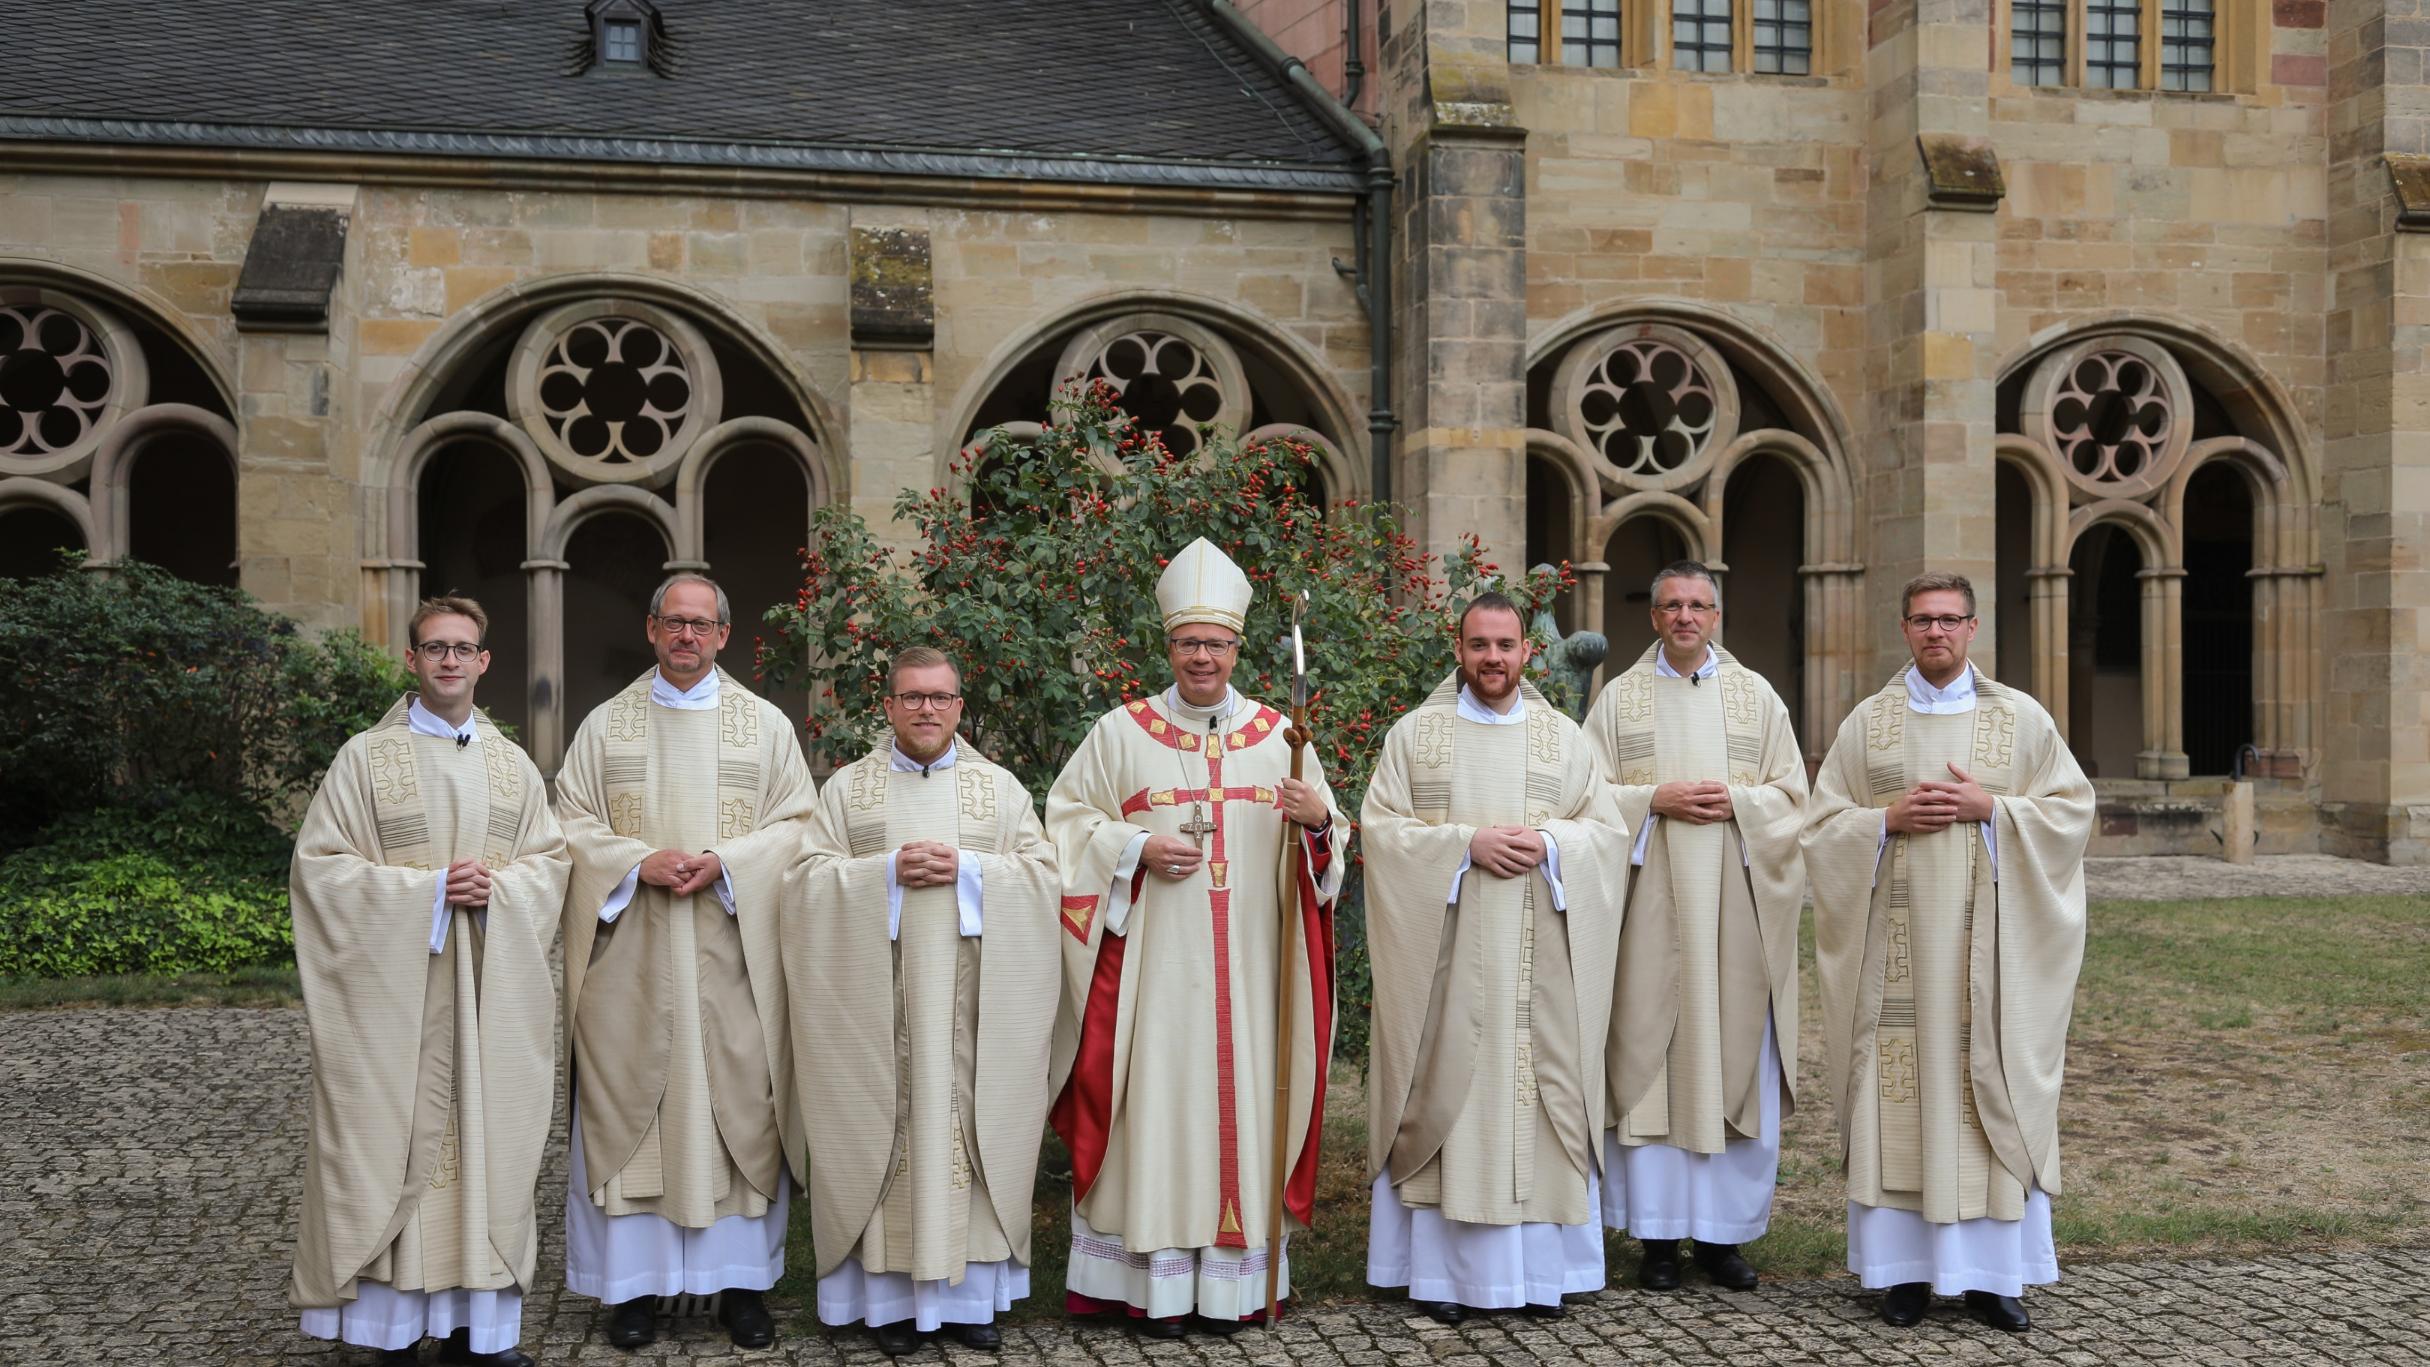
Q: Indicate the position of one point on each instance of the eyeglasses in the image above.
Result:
(1674, 609)
(435, 651)
(688, 626)
(1946, 622)
(927, 702)
(1216, 649)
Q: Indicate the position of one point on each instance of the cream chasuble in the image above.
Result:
(923, 1057)
(1485, 1094)
(676, 1010)
(1164, 1049)
(1946, 989)
(1708, 958)
(432, 1073)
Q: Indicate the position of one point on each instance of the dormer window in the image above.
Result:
(620, 42)
(625, 36)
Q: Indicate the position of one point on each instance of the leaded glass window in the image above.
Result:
(1526, 31)
(2037, 42)
(2188, 44)
(623, 42)
(2113, 44)
(1590, 33)
(1784, 37)
(1700, 35)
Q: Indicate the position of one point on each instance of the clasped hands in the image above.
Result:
(681, 873)
(1698, 804)
(468, 883)
(1506, 851)
(927, 864)
(1934, 805)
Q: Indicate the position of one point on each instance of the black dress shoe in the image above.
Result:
(400, 1357)
(633, 1323)
(1903, 1305)
(1660, 1269)
(458, 1348)
(1728, 1268)
(1149, 1327)
(1444, 1312)
(1220, 1328)
(987, 1338)
(1554, 1311)
(898, 1338)
(2000, 1312)
(745, 1316)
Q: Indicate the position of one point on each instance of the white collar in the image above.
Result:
(422, 721)
(1957, 697)
(905, 764)
(700, 697)
(1475, 711)
(1710, 667)
(1194, 716)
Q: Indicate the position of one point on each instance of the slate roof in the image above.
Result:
(1124, 91)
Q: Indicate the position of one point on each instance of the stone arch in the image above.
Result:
(137, 301)
(2161, 573)
(692, 476)
(586, 504)
(2285, 591)
(1298, 363)
(2046, 573)
(114, 464)
(27, 491)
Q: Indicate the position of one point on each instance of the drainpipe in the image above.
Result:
(1354, 71)
(1373, 272)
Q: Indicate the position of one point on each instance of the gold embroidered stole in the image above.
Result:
(625, 770)
(1938, 872)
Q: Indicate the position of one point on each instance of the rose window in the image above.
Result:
(55, 381)
(2110, 418)
(1647, 407)
(615, 390)
(1165, 383)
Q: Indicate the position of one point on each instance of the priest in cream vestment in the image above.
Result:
(924, 968)
(426, 886)
(1703, 1050)
(1946, 848)
(1168, 826)
(685, 801)
(1496, 863)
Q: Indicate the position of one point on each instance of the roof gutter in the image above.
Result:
(1373, 272)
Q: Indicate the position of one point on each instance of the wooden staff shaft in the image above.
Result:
(1293, 842)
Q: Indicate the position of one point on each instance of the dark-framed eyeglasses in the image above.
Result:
(1215, 649)
(688, 626)
(1945, 621)
(926, 702)
(436, 651)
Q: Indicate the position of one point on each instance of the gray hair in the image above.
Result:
(658, 600)
(1683, 569)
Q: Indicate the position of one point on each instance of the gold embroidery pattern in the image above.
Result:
(1995, 737)
(505, 776)
(629, 715)
(1898, 1071)
(1635, 695)
(444, 1172)
(1899, 968)
(1543, 736)
(1739, 710)
(1434, 738)
(738, 718)
(624, 815)
(867, 792)
(734, 818)
(392, 772)
(1883, 722)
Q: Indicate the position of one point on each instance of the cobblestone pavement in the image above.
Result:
(149, 1162)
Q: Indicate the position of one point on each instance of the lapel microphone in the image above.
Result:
(463, 740)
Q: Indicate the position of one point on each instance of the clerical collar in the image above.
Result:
(423, 721)
(1710, 667)
(700, 697)
(1932, 702)
(905, 764)
(1476, 711)
(1192, 715)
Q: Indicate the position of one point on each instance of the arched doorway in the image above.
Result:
(1764, 602)
(615, 561)
(472, 521)
(2218, 634)
(1552, 512)
(181, 509)
(754, 501)
(1638, 550)
(33, 538)
(2105, 654)
(2015, 554)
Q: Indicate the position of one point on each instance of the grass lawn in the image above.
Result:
(266, 986)
(2243, 1076)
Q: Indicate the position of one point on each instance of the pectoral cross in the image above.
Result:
(1198, 828)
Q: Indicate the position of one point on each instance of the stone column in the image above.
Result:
(1929, 286)
(895, 444)
(546, 587)
(2163, 753)
(2373, 644)
(1460, 285)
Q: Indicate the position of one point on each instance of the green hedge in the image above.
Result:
(188, 884)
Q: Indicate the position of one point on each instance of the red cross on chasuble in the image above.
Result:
(1079, 1114)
